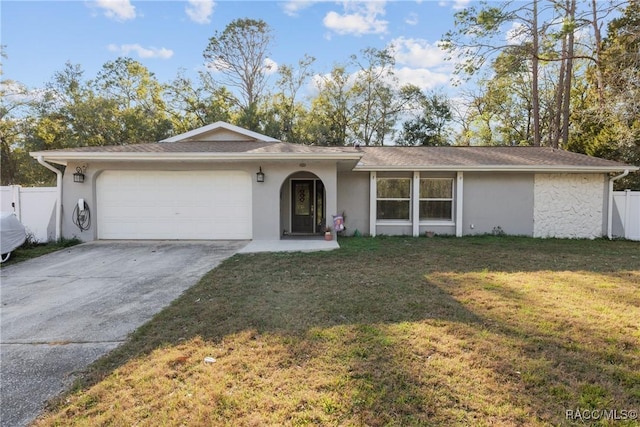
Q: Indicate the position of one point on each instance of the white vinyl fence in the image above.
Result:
(35, 207)
(626, 214)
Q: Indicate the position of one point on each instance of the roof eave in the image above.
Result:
(498, 168)
(64, 158)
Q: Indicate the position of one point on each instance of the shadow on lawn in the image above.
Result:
(372, 293)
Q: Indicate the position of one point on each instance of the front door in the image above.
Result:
(303, 206)
(307, 206)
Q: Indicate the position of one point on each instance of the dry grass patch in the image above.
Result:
(386, 331)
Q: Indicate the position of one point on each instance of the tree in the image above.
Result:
(190, 104)
(430, 126)
(332, 108)
(479, 36)
(16, 99)
(290, 82)
(135, 94)
(379, 98)
(611, 129)
(239, 54)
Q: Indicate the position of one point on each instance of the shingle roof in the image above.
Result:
(208, 147)
(370, 158)
(476, 157)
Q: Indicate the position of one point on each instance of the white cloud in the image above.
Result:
(421, 77)
(200, 11)
(120, 10)
(417, 53)
(455, 4)
(292, 7)
(142, 52)
(358, 18)
(412, 19)
(270, 66)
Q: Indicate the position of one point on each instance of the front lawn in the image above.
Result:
(385, 331)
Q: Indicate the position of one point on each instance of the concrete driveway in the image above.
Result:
(62, 311)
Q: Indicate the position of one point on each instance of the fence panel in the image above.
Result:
(34, 207)
(626, 214)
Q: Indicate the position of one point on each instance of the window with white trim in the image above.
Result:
(436, 199)
(393, 198)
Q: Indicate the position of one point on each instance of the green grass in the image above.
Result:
(31, 250)
(384, 331)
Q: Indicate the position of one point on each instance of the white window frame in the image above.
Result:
(403, 222)
(451, 199)
(415, 207)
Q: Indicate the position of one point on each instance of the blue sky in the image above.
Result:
(166, 36)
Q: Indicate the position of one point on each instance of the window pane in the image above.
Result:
(436, 210)
(393, 209)
(436, 189)
(393, 188)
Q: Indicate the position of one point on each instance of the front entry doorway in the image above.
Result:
(307, 206)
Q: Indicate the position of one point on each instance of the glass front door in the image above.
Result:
(307, 206)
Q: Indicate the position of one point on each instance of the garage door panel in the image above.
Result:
(174, 205)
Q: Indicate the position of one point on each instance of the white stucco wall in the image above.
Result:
(568, 205)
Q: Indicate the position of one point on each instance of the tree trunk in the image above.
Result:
(568, 76)
(556, 117)
(535, 102)
(597, 48)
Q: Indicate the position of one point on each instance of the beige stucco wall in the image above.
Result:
(502, 200)
(266, 196)
(569, 205)
(353, 201)
(544, 205)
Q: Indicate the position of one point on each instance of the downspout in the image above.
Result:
(610, 204)
(58, 196)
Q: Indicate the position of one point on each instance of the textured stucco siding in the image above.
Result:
(568, 205)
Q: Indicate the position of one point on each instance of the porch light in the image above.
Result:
(78, 176)
(260, 175)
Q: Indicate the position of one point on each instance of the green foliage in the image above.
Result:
(359, 100)
(288, 111)
(332, 108)
(193, 104)
(429, 127)
(610, 128)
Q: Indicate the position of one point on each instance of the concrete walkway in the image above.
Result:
(62, 311)
(290, 245)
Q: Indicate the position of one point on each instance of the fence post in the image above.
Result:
(627, 220)
(15, 201)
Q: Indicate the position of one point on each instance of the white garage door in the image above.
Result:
(174, 205)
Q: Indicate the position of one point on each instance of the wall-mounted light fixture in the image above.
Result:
(260, 175)
(78, 176)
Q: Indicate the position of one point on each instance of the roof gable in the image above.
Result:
(220, 131)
